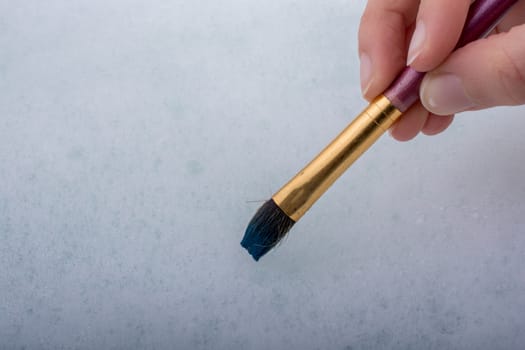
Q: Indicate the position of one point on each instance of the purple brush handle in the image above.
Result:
(483, 16)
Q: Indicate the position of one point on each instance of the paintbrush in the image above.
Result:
(277, 216)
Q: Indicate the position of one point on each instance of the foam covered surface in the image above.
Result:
(138, 138)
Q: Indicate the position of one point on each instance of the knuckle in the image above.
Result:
(511, 71)
(512, 75)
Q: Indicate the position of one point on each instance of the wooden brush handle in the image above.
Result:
(483, 16)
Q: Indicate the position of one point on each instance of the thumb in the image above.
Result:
(485, 73)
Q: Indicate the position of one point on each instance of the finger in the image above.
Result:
(485, 73)
(382, 42)
(436, 124)
(438, 28)
(516, 16)
(410, 124)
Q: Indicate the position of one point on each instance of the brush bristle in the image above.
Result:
(267, 227)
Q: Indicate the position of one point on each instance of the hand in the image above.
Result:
(422, 34)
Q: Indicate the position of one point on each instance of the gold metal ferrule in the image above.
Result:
(301, 192)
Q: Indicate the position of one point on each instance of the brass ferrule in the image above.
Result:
(301, 192)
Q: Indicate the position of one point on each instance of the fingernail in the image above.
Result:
(444, 94)
(365, 72)
(416, 43)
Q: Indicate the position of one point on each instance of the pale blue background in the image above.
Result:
(136, 139)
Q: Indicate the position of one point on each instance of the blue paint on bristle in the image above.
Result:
(266, 229)
(252, 243)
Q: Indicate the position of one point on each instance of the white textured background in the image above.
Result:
(135, 137)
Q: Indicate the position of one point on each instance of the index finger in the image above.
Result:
(383, 42)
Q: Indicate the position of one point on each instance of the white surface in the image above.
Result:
(134, 138)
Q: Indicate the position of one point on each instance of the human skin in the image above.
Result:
(422, 33)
